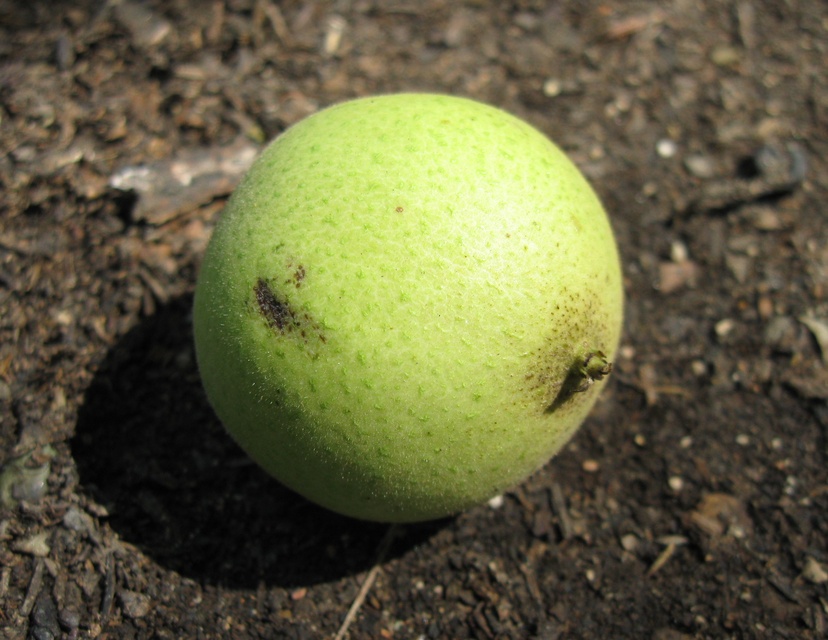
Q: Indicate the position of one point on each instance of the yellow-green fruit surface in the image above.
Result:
(396, 308)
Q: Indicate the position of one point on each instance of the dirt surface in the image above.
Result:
(693, 502)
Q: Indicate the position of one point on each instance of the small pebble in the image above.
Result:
(649, 189)
(21, 482)
(725, 56)
(790, 485)
(700, 166)
(676, 483)
(597, 152)
(590, 466)
(743, 440)
(25, 153)
(147, 27)
(527, 21)
(629, 542)
(673, 276)
(496, 502)
(45, 624)
(740, 266)
(686, 442)
(699, 368)
(136, 605)
(78, 520)
(552, 87)
(765, 307)
(678, 251)
(724, 327)
(666, 148)
(775, 160)
(69, 619)
(781, 334)
(766, 219)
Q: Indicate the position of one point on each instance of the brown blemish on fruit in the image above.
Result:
(282, 318)
(297, 276)
(278, 314)
(399, 209)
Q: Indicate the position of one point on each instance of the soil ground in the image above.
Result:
(692, 504)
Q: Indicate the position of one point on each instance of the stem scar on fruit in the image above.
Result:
(595, 366)
(582, 375)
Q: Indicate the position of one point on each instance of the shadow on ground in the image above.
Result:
(150, 449)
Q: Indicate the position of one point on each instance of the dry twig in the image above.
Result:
(382, 551)
(559, 505)
(34, 588)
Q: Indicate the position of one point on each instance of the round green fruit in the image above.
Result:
(405, 304)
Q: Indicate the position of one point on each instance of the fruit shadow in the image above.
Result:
(149, 448)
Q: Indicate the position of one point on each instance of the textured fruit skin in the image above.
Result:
(396, 301)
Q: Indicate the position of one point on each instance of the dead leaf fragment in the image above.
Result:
(673, 276)
(721, 514)
(820, 331)
(35, 545)
(814, 572)
(171, 187)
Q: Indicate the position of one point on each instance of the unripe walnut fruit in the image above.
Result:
(409, 304)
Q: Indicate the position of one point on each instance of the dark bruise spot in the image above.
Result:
(399, 209)
(278, 314)
(284, 319)
(298, 275)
